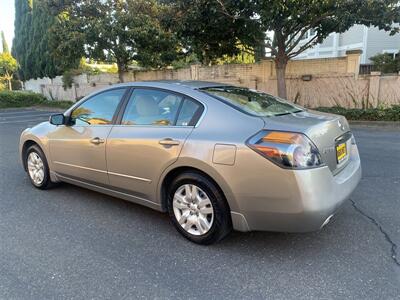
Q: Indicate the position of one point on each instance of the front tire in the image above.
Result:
(198, 208)
(37, 168)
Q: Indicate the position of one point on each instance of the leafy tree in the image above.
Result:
(206, 30)
(66, 42)
(119, 31)
(386, 63)
(31, 45)
(42, 62)
(289, 21)
(4, 43)
(8, 65)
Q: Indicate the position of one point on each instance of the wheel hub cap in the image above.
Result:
(193, 209)
(35, 168)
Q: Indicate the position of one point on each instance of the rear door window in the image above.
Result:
(161, 108)
(152, 107)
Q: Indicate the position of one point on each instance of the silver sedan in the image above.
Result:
(216, 157)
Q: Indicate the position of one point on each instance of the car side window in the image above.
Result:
(189, 113)
(151, 107)
(98, 110)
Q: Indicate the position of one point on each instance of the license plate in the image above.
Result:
(341, 152)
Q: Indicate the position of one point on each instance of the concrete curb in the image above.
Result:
(36, 108)
(387, 124)
(49, 108)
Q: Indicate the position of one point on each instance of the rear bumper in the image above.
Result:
(306, 202)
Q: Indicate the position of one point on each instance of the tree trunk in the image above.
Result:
(120, 75)
(8, 77)
(280, 67)
(121, 69)
(281, 60)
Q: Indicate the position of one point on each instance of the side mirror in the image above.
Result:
(57, 119)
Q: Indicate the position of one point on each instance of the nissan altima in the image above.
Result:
(215, 157)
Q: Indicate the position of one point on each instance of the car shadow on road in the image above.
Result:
(143, 221)
(142, 243)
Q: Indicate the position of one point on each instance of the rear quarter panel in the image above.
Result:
(221, 124)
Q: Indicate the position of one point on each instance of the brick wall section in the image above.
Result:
(333, 81)
(389, 90)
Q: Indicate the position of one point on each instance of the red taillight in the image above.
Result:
(287, 149)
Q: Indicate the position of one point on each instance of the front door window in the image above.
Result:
(98, 110)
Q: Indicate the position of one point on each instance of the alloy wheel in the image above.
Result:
(36, 168)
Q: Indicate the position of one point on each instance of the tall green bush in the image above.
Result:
(386, 63)
(370, 114)
(4, 43)
(32, 41)
(20, 99)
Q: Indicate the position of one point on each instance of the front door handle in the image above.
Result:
(169, 142)
(97, 141)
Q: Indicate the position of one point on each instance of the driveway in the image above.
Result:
(73, 243)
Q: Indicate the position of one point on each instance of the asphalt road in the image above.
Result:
(73, 243)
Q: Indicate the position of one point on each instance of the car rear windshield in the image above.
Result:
(252, 102)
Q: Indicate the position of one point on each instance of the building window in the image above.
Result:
(309, 34)
(305, 36)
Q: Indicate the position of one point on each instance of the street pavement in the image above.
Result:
(69, 242)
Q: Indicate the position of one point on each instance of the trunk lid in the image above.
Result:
(324, 130)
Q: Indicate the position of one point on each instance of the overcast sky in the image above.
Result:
(7, 14)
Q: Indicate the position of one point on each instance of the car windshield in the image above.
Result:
(253, 102)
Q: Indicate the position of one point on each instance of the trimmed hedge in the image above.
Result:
(369, 114)
(10, 99)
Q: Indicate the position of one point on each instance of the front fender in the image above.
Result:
(38, 136)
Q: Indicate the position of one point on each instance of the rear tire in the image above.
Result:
(198, 209)
(37, 168)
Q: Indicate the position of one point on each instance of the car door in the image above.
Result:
(78, 150)
(149, 138)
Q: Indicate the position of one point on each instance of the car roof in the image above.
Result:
(193, 84)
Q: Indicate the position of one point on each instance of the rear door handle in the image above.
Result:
(169, 142)
(97, 141)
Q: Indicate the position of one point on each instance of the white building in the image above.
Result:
(370, 40)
